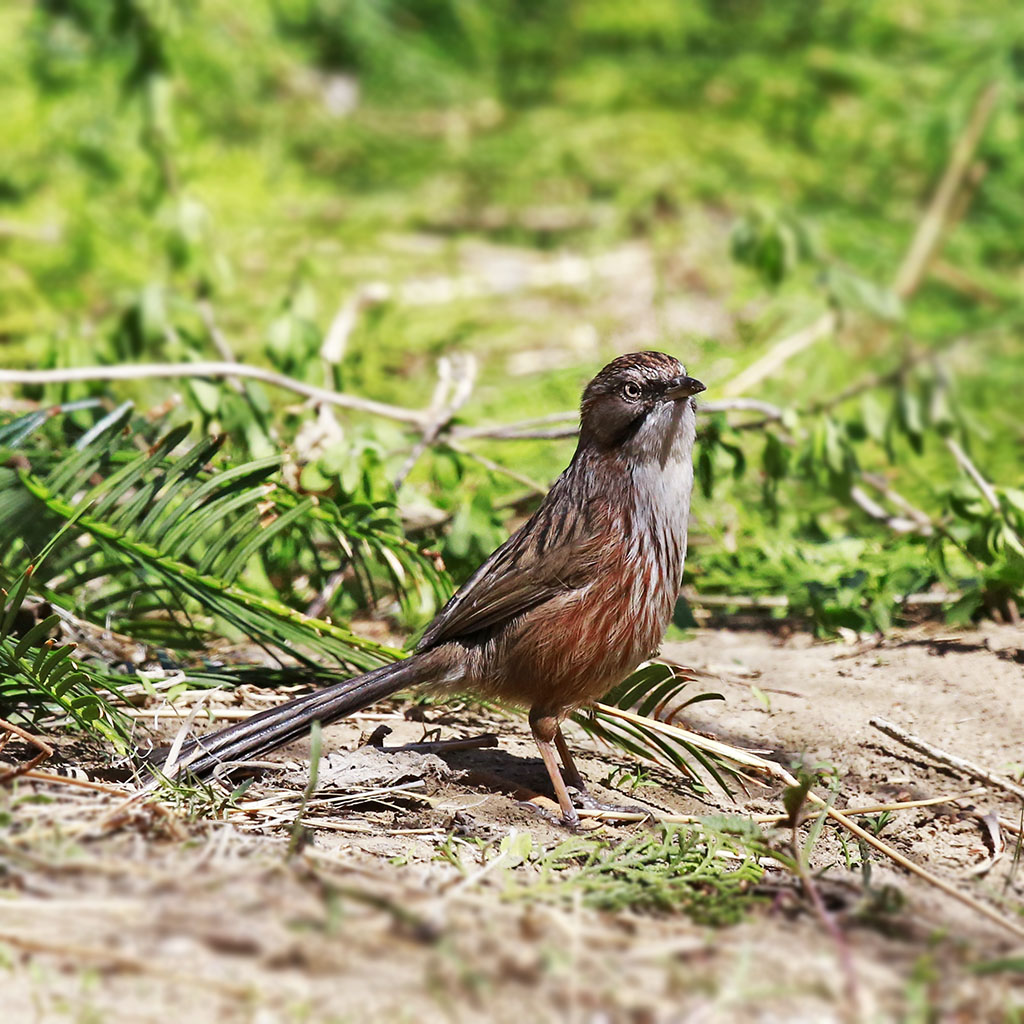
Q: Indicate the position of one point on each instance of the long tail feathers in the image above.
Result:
(275, 727)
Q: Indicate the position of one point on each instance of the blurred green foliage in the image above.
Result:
(172, 169)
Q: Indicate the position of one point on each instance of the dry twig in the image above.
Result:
(488, 739)
(455, 378)
(135, 371)
(44, 748)
(496, 467)
(756, 763)
(605, 814)
(65, 780)
(968, 768)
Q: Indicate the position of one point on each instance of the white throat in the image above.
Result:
(660, 455)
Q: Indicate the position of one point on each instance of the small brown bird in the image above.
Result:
(569, 605)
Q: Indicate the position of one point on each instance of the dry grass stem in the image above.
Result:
(171, 711)
(937, 217)
(604, 814)
(715, 747)
(922, 873)
(780, 353)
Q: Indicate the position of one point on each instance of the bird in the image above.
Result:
(567, 607)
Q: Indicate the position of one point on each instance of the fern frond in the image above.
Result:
(650, 693)
(40, 678)
(163, 533)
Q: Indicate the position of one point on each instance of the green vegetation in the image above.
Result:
(670, 868)
(345, 191)
(41, 674)
(459, 210)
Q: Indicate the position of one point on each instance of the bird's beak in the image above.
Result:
(683, 387)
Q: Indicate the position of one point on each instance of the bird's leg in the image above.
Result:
(545, 731)
(575, 781)
(571, 773)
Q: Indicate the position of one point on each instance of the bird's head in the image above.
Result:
(640, 403)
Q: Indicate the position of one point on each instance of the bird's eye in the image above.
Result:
(631, 390)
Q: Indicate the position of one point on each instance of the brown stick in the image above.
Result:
(922, 873)
(68, 780)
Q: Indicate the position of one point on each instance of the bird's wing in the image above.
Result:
(550, 555)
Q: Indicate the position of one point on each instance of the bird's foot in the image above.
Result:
(572, 822)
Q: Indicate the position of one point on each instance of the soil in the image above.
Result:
(133, 914)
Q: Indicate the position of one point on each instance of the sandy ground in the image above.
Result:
(164, 916)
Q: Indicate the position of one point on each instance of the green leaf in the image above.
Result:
(776, 457)
(37, 633)
(1013, 497)
(851, 291)
(705, 472)
(836, 450)
(875, 417)
(794, 797)
(940, 412)
(517, 848)
(911, 418)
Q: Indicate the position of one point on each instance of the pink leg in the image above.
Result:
(546, 733)
(572, 773)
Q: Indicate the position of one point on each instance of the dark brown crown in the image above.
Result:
(644, 368)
